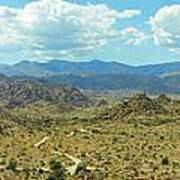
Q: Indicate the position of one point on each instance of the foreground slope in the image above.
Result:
(41, 142)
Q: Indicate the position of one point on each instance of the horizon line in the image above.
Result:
(88, 61)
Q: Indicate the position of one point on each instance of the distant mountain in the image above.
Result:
(87, 68)
(100, 75)
(95, 67)
(30, 69)
(160, 69)
(56, 67)
(114, 82)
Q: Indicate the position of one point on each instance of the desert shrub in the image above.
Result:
(12, 165)
(57, 170)
(165, 161)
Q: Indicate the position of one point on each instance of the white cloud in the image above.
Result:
(132, 36)
(130, 13)
(166, 27)
(57, 27)
(175, 50)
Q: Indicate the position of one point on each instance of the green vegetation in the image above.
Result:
(57, 170)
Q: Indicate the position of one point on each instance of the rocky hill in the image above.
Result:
(143, 107)
(20, 92)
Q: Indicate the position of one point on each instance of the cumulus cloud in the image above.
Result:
(132, 36)
(166, 27)
(52, 28)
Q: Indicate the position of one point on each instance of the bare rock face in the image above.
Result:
(20, 92)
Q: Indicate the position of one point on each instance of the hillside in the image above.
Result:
(19, 92)
(151, 84)
(138, 138)
(140, 106)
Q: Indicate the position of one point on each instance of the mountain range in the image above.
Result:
(100, 75)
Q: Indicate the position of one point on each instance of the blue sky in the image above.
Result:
(129, 31)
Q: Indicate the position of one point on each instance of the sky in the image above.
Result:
(135, 32)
